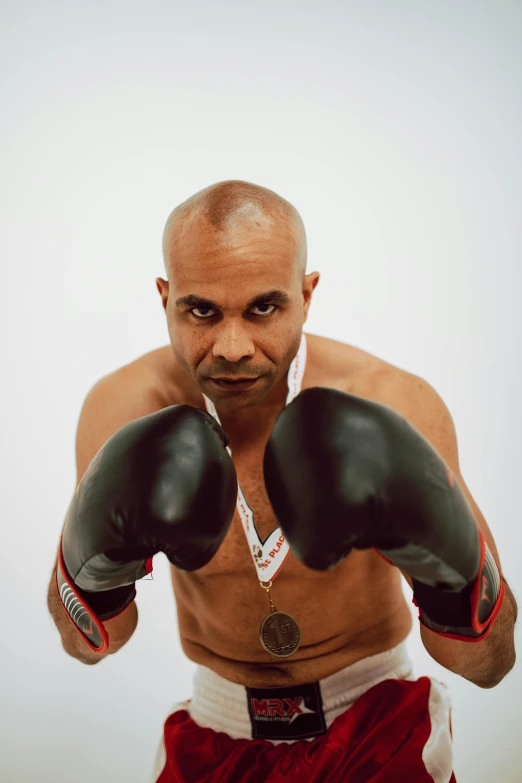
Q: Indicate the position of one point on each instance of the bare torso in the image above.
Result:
(356, 610)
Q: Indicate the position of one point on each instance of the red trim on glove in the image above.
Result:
(461, 638)
(78, 611)
(482, 588)
(481, 592)
(384, 558)
(483, 596)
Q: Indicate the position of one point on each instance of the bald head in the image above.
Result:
(237, 295)
(230, 209)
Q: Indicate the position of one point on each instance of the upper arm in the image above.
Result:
(423, 407)
(126, 394)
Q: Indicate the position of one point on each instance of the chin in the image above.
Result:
(236, 401)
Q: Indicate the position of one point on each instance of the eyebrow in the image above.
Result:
(274, 297)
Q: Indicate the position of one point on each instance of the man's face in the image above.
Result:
(235, 304)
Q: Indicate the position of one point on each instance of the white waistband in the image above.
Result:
(222, 705)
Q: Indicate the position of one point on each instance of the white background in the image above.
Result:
(394, 127)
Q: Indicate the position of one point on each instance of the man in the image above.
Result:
(299, 630)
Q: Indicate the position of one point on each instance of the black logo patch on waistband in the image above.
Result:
(286, 713)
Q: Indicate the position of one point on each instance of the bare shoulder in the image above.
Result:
(359, 372)
(348, 367)
(134, 390)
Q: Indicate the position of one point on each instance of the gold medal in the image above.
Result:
(279, 632)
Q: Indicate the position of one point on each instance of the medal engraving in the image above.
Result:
(280, 634)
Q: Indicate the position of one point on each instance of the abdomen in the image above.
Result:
(355, 610)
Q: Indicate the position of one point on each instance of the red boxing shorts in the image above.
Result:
(368, 723)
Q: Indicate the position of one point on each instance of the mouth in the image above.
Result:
(235, 384)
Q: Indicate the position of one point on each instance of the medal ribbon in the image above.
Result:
(270, 554)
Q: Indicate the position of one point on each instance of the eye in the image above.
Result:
(257, 307)
(208, 312)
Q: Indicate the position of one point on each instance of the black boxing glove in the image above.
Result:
(164, 482)
(344, 472)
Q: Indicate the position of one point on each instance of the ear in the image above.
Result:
(163, 288)
(309, 283)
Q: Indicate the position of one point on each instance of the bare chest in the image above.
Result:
(352, 611)
(236, 551)
(355, 610)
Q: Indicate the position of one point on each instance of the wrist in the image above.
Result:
(86, 610)
(467, 614)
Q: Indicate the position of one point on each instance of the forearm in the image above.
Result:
(119, 629)
(484, 663)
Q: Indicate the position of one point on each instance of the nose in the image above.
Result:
(233, 342)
